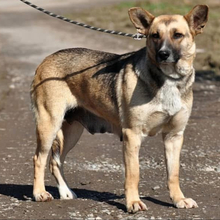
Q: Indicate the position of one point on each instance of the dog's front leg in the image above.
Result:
(173, 145)
(131, 146)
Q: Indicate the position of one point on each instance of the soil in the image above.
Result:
(94, 168)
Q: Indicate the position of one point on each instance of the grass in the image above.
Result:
(116, 18)
(157, 8)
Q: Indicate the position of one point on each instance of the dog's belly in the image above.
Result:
(92, 122)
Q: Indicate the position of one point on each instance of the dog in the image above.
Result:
(132, 95)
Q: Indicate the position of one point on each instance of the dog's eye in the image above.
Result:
(155, 36)
(177, 35)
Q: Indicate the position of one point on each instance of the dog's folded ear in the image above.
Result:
(197, 18)
(141, 19)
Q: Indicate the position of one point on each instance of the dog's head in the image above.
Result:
(170, 38)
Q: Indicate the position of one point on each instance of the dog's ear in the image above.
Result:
(197, 18)
(141, 19)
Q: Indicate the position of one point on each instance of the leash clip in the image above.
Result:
(138, 36)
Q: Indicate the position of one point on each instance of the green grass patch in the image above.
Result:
(158, 8)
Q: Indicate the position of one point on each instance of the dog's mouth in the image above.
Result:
(175, 70)
(167, 62)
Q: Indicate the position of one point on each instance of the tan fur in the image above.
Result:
(132, 95)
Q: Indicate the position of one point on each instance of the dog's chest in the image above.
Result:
(169, 99)
(166, 105)
(154, 115)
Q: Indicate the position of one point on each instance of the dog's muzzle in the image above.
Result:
(163, 55)
(166, 56)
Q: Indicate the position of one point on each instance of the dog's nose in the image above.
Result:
(163, 55)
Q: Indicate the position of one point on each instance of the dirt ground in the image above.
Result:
(94, 169)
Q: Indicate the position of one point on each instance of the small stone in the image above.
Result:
(217, 169)
(183, 165)
(83, 183)
(209, 169)
(106, 211)
(12, 86)
(72, 214)
(143, 218)
(156, 187)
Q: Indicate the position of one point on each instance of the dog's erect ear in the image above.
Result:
(141, 19)
(197, 18)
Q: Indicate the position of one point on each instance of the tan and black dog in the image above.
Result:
(132, 95)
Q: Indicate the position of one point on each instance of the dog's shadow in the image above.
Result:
(24, 192)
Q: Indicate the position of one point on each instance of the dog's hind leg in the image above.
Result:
(66, 139)
(48, 123)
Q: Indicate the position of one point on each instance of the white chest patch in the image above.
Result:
(170, 98)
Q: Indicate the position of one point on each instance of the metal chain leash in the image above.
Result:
(134, 36)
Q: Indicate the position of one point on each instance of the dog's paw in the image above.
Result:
(43, 197)
(136, 206)
(187, 203)
(66, 193)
